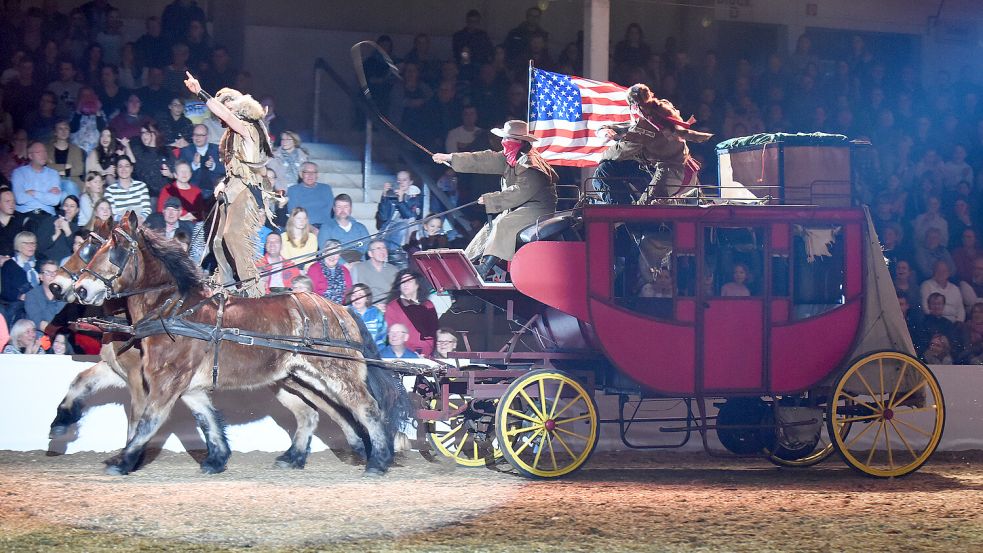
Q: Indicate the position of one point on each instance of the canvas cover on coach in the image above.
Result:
(799, 169)
(883, 325)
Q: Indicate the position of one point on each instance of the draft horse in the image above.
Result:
(120, 367)
(161, 283)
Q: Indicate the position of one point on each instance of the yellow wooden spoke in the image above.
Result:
(574, 419)
(460, 447)
(897, 386)
(516, 431)
(565, 446)
(873, 446)
(528, 441)
(912, 391)
(532, 404)
(869, 390)
(570, 404)
(859, 401)
(539, 452)
(549, 443)
(861, 433)
(887, 444)
(880, 372)
(556, 401)
(523, 416)
(915, 428)
(443, 439)
(574, 434)
(898, 413)
(914, 456)
(862, 418)
(542, 398)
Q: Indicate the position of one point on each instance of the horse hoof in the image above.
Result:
(209, 469)
(115, 470)
(374, 473)
(285, 464)
(57, 432)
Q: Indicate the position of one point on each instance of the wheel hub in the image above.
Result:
(550, 425)
(888, 414)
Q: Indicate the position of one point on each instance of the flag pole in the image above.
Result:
(528, 94)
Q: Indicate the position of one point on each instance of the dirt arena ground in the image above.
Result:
(624, 501)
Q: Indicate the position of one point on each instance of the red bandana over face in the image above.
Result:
(511, 150)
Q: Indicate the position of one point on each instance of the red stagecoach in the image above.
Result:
(766, 310)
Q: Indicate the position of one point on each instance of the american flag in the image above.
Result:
(565, 113)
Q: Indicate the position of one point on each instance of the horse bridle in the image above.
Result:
(119, 257)
(86, 253)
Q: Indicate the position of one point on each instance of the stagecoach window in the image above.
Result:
(645, 268)
(817, 270)
(779, 275)
(733, 262)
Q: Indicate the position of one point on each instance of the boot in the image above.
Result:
(486, 266)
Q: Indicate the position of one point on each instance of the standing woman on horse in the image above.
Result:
(245, 148)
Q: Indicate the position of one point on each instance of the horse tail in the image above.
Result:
(394, 403)
(384, 385)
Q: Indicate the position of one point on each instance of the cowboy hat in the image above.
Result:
(515, 129)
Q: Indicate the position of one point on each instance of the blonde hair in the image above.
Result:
(23, 236)
(305, 234)
(91, 225)
(297, 142)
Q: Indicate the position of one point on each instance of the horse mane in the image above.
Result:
(176, 261)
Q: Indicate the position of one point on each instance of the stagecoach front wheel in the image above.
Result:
(547, 424)
(886, 414)
(466, 438)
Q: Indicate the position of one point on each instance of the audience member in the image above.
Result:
(66, 89)
(343, 228)
(66, 158)
(104, 155)
(408, 305)
(933, 249)
(376, 272)
(175, 128)
(972, 288)
(288, 159)
(278, 272)
(189, 196)
(471, 45)
(88, 121)
(130, 120)
(92, 192)
(11, 223)
(40, 123)
(19, 274)
(206, 164)
(302, 283)
(460, 139)
(60, 345)
(152, 160)
(37, 188)
(24, 338)
(40, 305)
(299, 238)
(316, 197)
(54, 234)
(329, 276)
(397, 347)
(446, 343)
(939, 284)
(102, 215)
(398, 208)
(966, 254)
(128, 193)
(168, 220)
(359, 302)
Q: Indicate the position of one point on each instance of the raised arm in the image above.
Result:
(216, 107)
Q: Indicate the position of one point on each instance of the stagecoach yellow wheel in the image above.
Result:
(886, 414)
(547, 424)
(466, 438)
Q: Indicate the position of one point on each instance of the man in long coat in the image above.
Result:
(528, 192)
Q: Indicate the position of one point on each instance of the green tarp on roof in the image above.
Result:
(798, 139)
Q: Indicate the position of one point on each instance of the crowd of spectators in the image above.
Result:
(93, 124)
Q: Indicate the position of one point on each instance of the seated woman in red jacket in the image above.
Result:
(408, 305)
(329, 276)
(192, 202)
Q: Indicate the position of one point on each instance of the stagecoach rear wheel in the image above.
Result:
(466, 438)
(805, 454)
(886, 414)
(547, 424)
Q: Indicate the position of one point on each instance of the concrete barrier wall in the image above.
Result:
(33, 385)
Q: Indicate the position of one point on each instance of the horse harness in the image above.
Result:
(156, 323)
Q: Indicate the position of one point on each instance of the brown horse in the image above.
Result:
(139, 264)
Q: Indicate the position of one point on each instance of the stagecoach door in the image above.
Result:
(732, 320)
